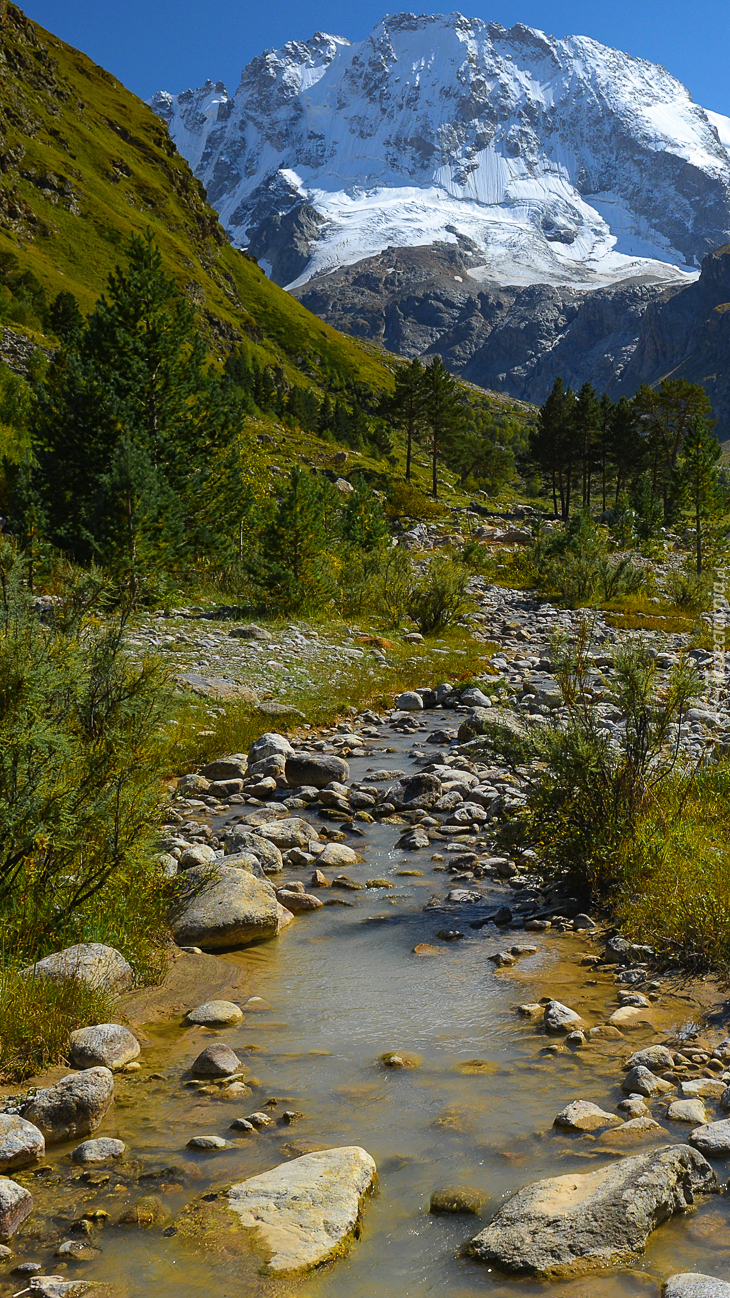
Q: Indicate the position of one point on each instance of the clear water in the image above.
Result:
(344, 986)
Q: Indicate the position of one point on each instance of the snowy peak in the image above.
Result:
(560, 161)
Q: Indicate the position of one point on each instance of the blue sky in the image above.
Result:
(173, 44)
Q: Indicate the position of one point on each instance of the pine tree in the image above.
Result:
(587, 419)
(296, 569)
(407, 405)
(552, 444)
(443, 413)
(129, 424)
(696, 481)
(665, 416)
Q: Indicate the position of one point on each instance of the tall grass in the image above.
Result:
(37, 1017)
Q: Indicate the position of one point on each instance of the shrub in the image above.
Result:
(439, 597)
(403, 500)
(81, 757)
(690, 590)
(587, 793)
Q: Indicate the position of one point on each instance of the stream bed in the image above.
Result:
(342, 986)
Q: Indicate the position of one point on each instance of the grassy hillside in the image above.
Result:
(83, 163)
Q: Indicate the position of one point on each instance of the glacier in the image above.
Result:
(561, 161)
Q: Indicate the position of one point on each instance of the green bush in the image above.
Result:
(586, 794)
(576, 564)
(82, 753)
(439, 597)
(690, 590)
(406, 501)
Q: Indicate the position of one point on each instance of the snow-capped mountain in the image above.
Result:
(556, 161)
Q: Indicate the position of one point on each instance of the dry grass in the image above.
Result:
(37, 1017)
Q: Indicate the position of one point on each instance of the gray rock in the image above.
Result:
(241, 839)
(414, 792)
(56, 1286)
(193, 784)
(315, 769)
(337, 854)
(21, 1143)
(303, 1212)
(655, 1058)
(221, 908)
(232, 767)
(474, 698)
(250, 632)
(712, 1140)
(292, 831)
(639, 1081)
(269, 745)
(581, 1115)
(560, 1018)
(75, 1106)
(409, 701)
(16, 1203)
(693, 1285)
(98, 966)
(687, 1111)
(98, 1151)
(217, 1060)
(107, 1045)
(298, 902)
(571, 1224)
(479, 721)
(207, 1142)
(197, 854)
(216, 1014)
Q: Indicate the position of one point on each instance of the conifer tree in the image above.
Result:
(407, 405)
(696, 481)
(129, 424)
(443, 413)
(363, 520)
(552, 444)
(296, 570)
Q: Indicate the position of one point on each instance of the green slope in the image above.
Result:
(84, 163)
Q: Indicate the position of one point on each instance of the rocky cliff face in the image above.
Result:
(687, 335)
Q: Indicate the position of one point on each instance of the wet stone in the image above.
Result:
(98, 1151)
(456, 1199)
(216, 1014)
(216, 1061)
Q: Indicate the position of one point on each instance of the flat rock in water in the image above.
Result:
(207, 1142)
(107, 1045)
(21, 1143)
(98, 966)
(221, 1014)
(299, 902)
(301, 1213)
(629, 1017)
(572, 1224)
(560, 1018)
(337, 854)
(16, 1203)
(315, 769)
(633, 1132)
(703, 1088)
(98, 1151)
(75, 1106)
(687, 1111)
(693, 1285)
(712, 1140)
(581, 1115)
(223, 907)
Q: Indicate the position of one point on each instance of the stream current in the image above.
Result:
(343, 986)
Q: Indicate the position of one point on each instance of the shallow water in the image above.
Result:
(343, 986)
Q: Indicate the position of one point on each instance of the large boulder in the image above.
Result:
(99, 966)
(269, 745)
(21, 1143)
(75, 1106)
(571, 1224)
(693, 1285)
(413, 792)
(482, 721)
(222, 908)
(242, 839)
(656, 1058)
(560, 1018)
(217, 1060)
(315, 769)
(303, 1212)
(107, 1045)
(16, 1203)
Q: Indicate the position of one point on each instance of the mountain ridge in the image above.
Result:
(564, 161)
